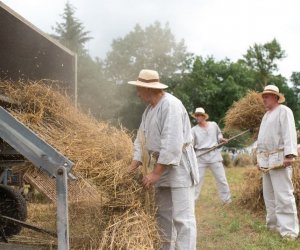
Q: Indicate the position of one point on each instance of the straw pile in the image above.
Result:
(243, 160)
(252, 196)
(101, 153)
(227, 161)
(245, 114)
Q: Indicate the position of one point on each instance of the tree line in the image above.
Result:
(194, 79)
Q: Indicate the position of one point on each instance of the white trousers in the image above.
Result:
(218, 171)
(280, 202)
(176, 217)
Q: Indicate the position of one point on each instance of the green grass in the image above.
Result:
(232, 227)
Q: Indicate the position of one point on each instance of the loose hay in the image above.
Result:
(101, 154)
(245, 114)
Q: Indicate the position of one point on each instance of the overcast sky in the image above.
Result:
(222, 28)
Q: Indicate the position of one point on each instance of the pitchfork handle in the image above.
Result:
(222, 143)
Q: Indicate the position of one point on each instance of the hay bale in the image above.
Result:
(296, 182)
(227, 161)
(101, 154)
(243, 160)
(245, 114)
(252, 195)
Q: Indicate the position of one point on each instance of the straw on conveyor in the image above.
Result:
(101, 154)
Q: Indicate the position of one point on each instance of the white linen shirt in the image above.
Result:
(206, 138)
(167, 130)
(277, 137)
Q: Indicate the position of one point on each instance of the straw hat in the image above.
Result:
(200, 111)
(148, 79)
(272, 89)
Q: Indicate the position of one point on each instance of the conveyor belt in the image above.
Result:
(79, 190)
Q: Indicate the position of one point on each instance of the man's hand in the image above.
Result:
(223, 140)
(288, 161)
(150, 179)
(257, 166)
(133, 166)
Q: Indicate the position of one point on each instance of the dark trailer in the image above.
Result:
(26, 52)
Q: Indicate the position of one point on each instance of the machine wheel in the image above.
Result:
(12, 204)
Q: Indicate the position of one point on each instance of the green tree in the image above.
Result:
(152, 47)
(214, 85)
(71, 32)
(94, 92)
(263, 58)
(295, 79)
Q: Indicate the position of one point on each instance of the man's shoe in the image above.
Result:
(273, 229)
(289, 237)
(226, 203)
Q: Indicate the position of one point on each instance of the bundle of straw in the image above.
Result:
(101, 154)
(245, 114)
(252, 196)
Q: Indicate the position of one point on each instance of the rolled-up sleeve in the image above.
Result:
(171, 123)
(288, 131)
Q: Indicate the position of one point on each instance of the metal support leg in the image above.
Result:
(2, 234)
(2, 177)
(62, 209)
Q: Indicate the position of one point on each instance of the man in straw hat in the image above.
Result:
(277, 146)
(167, 135)
(207, 135)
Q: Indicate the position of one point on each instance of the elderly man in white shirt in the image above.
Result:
(276, 149)
(167, 131)
(206, 135)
